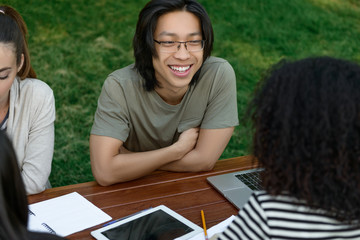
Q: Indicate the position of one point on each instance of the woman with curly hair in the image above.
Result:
(306, 120)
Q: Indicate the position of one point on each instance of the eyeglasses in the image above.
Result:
(174, 46)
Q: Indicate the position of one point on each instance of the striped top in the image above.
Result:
(3, 124)
(284, 217)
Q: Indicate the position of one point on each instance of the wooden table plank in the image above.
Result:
(185, 193)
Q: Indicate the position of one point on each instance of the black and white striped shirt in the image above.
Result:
(284, 217)
(3, 123)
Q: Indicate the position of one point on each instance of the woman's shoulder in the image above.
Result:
(264, 196)
(31, 88)
(35, 84)
(31, 92)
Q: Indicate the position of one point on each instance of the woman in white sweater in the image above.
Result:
(306, 119)
(27, 105)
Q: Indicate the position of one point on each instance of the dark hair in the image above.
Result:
(13, 201)
(306, 117)
(143, 42)
(14, 31)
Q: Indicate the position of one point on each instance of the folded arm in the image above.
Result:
(194, 151)
(111, 163)
(209, 147)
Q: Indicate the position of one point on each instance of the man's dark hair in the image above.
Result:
(306, 117)
(143, 41)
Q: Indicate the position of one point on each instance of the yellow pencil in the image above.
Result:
(204, 224)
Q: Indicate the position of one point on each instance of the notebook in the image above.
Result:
(237, 186)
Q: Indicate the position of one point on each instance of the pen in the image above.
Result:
(116, 220)
(204, 224)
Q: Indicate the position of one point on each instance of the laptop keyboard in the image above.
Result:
(251, 179)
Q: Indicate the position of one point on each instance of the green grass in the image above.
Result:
(75, 44)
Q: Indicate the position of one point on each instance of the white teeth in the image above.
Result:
(180, 69)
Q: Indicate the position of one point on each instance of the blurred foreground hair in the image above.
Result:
(13, 200)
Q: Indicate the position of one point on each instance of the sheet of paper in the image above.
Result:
(65, 215)
(218, 228)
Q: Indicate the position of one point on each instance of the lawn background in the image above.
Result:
(74, 45)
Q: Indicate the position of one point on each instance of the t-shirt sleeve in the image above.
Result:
(221, 110)
(111, 116)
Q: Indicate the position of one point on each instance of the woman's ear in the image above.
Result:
(21, 63)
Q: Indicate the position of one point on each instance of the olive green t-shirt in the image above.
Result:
(144, 121)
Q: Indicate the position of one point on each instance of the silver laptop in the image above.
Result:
(237, 186)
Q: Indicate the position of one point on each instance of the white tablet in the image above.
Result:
(155, 223)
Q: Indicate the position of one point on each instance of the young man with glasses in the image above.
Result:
(175, 109)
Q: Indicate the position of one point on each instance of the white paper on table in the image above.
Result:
(218, 228)
(65, 215)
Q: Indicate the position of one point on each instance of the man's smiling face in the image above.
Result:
(174, 71)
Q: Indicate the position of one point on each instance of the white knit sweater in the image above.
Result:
(30, 126)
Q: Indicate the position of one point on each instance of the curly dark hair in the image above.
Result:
(143, 41)
(306, 122)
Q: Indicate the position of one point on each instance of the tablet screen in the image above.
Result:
(157, 225)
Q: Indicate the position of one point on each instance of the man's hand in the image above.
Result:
(207, 149)
(187, 141)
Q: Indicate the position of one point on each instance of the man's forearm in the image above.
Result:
(194, 161)
(112, 163)
(128, 166)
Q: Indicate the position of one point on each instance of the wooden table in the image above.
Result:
(185, 193)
